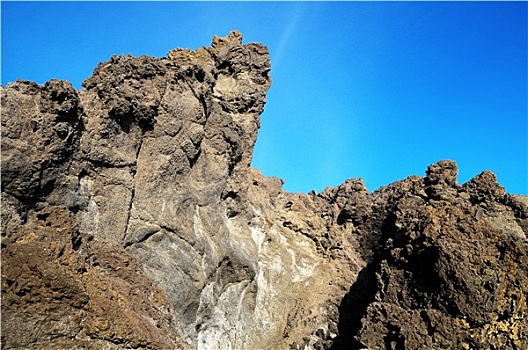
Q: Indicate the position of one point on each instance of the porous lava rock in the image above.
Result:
(447, 268)
(132, 219)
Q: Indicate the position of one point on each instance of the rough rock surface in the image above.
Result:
(131, 218)
(448, 269)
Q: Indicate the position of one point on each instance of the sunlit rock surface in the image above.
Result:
(131, 218)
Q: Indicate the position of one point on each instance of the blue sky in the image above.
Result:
(377, 90)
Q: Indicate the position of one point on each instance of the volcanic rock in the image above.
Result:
(132, 219)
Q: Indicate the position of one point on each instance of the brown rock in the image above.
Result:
(446, 272)
(131, 218)
(62, 290)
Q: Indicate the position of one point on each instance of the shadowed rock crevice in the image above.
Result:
(353, 308)
(132, 219)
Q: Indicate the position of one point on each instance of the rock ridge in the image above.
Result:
(132, 219)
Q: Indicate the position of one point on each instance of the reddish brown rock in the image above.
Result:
(61, 289)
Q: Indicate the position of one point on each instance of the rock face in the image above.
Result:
(131, 218)
(448, 268)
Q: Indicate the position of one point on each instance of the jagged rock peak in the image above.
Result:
(131, 219)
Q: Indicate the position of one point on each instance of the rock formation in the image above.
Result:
(132, 219)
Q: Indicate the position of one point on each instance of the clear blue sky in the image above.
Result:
(377, 90)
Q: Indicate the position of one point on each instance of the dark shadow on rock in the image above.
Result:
(353, 307)
(362, 293)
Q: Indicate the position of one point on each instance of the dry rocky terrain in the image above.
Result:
(132, 219)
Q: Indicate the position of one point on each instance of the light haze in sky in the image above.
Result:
(377, 90)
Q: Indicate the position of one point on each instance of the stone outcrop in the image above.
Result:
(131, 218)
(447, 267)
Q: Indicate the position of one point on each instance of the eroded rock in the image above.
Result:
(131, 218)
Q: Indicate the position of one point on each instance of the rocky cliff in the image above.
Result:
(131, 219)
